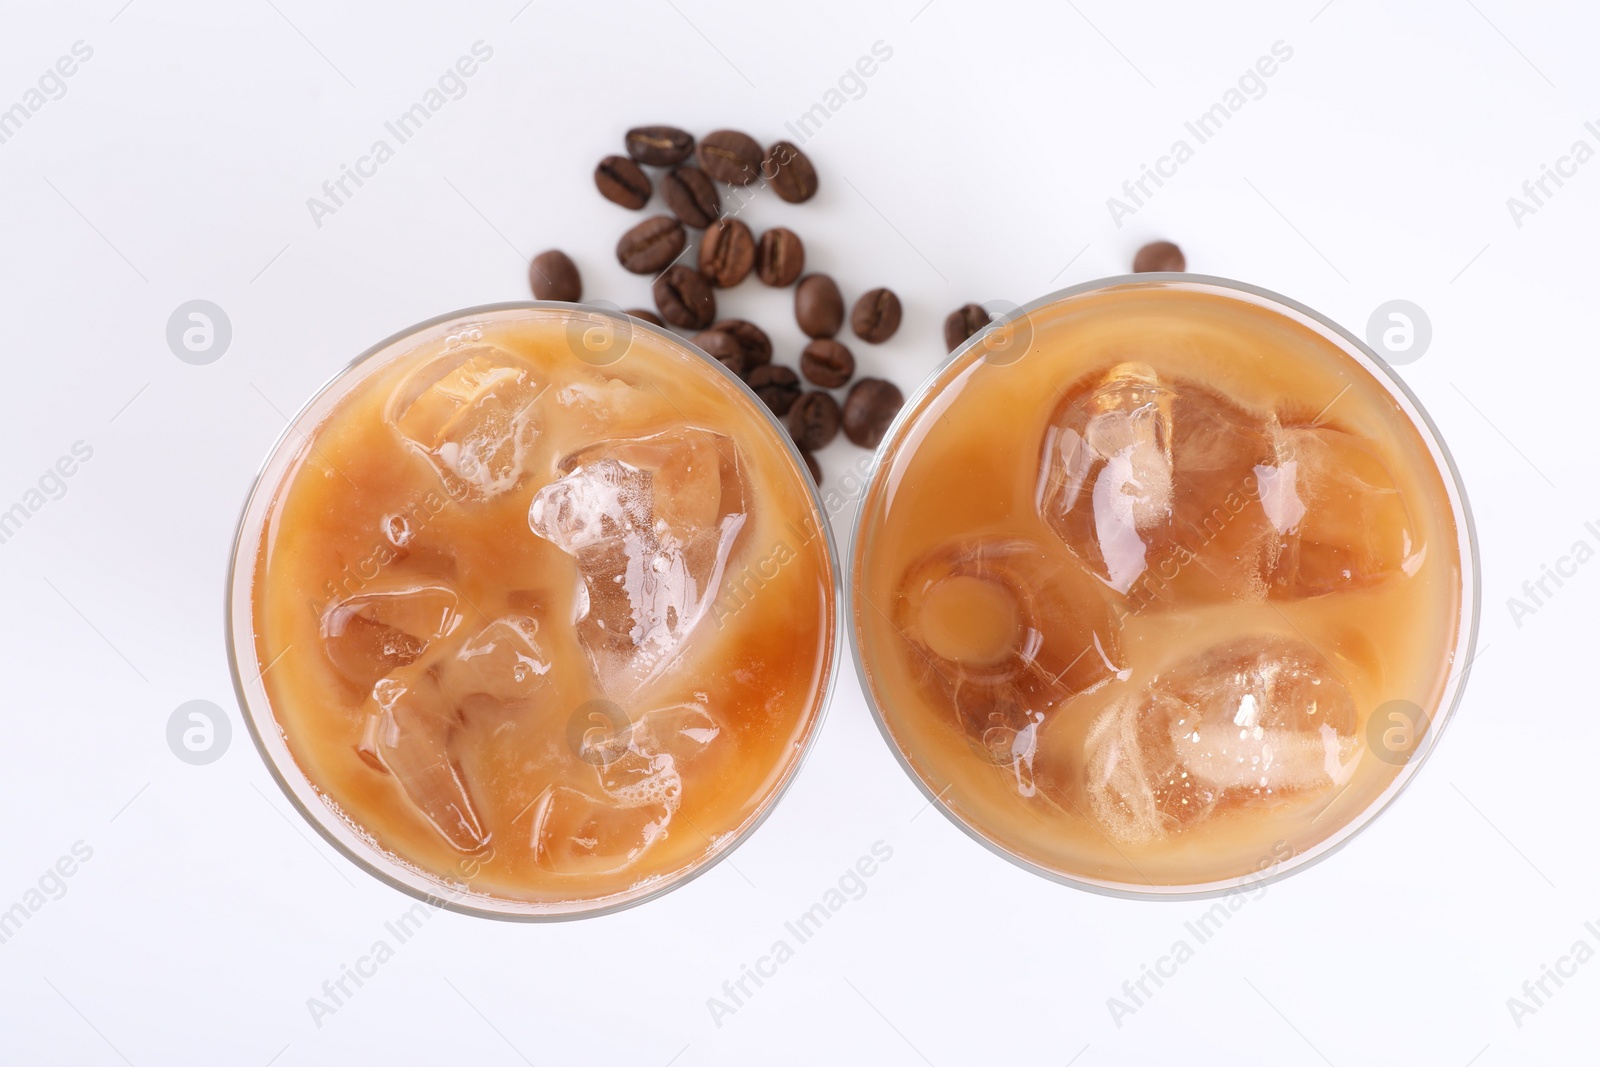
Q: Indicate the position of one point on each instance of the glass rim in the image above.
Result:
(357, 844)
(1466, 638)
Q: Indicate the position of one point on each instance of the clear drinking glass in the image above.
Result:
(592, 339)
(1050, 792)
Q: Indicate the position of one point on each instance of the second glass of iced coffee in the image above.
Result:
(1162, 586)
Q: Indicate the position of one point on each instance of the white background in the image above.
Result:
(975, 166)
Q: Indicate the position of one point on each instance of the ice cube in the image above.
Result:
(681, 730)
(1005, 633)
(1150, 483)
(470, 412)
(368, 635)
(590, 404)
(643, 765)
(503, 660)
(1340, 519)
(1106, 483)
(410, 737)
(1247, 724)
(638, 788)
(651, 523)
(575, 833)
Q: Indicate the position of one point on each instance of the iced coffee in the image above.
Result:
(540, 611)
(1161, 586)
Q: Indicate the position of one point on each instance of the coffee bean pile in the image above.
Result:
(728, 252)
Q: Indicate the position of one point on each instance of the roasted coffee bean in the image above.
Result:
(651, 245)
(778, 387)
(962, 323)
(812, 465)
(876, 316)
(646, 316)
(869, 409)
(827, 363)
(780, 258)
(1159, 256)
(727, 252)
(684, 298)
(555, 277)
(818, 307)
(753, 341)
(659, 146)
(723, 347)
(691, 196)
(814, 420)
(729, 156)
(622, 181)
(790, 172)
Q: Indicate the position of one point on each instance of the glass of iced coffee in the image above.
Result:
(1163, 585)
(532, 611)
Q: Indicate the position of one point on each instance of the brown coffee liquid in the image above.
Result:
(546, 630)
(1139, 604)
